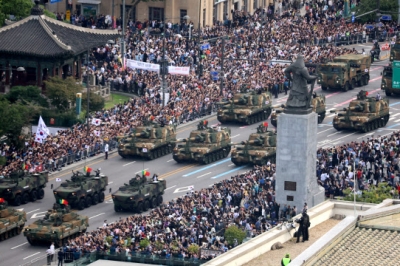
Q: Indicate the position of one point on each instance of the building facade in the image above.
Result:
(204, 12)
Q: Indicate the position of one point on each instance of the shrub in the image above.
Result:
(194, 249)
(232, 233)
(373, 194)
(144, 243)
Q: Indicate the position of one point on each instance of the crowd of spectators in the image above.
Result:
(263, 36)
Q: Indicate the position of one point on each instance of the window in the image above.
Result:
(244, 5)
(291, 186)
(204, 17)
(130, 15)
(183, 13)
(156, 13)
(215, 13)
(225, 15)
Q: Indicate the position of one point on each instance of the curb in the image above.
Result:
(83, 162)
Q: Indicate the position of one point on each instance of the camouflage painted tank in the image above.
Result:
(345, 72)
(139, 195)
(58, 225)
(150, 141)
(12, 221)
(258, 149)
(20, 187)
(83, 190)
(245, 107)
(363, 114)
(317, 102)
(204, 145)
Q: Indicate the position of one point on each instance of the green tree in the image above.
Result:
(13, 117)
(48, 13)
(96, 102)
(232, 233)
(18, 8)
(369, 5)
(62, 92)
(144, 243)
(27, 95)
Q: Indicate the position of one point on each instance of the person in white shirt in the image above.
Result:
(106, 150)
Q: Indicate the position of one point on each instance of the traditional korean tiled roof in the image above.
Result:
(41, 36)
(364, 246)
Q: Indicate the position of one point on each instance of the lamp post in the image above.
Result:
(123, 34)
(199, 33)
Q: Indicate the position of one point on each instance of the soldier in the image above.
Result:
(155, 177)
(106, 151)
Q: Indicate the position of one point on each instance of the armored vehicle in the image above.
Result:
(204, 145)
(317, 102)
(150, 141)
(345, 72)
(245, 107)
(83, 190)
(12, 221)
(386, 83)
(258, 149)
(58, 225)
(20, 187)
(363, 114)
(139, 195)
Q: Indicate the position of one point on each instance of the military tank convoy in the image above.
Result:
(12, 221)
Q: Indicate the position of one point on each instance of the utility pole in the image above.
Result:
(163, 69)
(123, 34)
(112, 12)
(87, 91)
(199, 32)
(222, 67)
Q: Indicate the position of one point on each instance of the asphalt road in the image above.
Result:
(16, 250)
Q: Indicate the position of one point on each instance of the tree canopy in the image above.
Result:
(27, 95)
(17, 8)
(62, 92)
(369, 5)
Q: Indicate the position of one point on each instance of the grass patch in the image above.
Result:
(115, 99)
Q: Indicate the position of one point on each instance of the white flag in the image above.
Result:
(97, 133)
(42, 131)
(96, 122)
(58, 179)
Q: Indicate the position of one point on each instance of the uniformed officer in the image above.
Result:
(286, 260)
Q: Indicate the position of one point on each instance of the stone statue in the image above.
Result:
(299, 99)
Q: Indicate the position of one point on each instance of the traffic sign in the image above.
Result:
(396, 75)
(205, 46)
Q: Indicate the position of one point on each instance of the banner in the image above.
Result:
(179, 70)
(55, 1)
(142, 65)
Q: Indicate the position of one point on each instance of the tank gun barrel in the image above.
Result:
(356, 108)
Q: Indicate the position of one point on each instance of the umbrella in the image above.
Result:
(178, 35)
(380, 24)
(369, 26)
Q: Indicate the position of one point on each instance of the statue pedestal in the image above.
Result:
(296, 181)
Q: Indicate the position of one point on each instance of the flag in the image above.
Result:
(2, 200)
(265, 124)
(96, 122)
(97, 133)
(42, 131)
(58, 179)
(87, 169)
(145, 173)
(63, 201)
(39, 168)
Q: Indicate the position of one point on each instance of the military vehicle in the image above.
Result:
(317, 102)
(245, 107)
(204, 145)
(395, 50)
(363, 114)
(58, 225)
(12, 221)
(20, 187)
(258, 149)
(345, 72)
(149, 141)
(139, 195)
(386, 83)
(83, 190)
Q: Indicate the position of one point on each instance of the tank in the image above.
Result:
(83, 190)
(12, 221)
(58, 225)
(139, 195)
(150, 141)
(318, 105)
(346, 72)
(204, 145)
(259, 149)
(245, 107)
(20, 187)
(363, 114)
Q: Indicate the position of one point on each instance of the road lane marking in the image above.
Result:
(96, 215)
(345, 102)
(177, 171)
(207, 167)
(129, 163)
(333, 134)
(392, 126)
(372, 133)
(141, 171)
(32, 211)
(184, 189)
(231, 164)
(170, 187)
(20, 245)
(38, 215)
(398, 120)
(235, 136)
(334, 140)
(325, 130)
(228, 172)
(170, 160)
(204, 175)
(31, 255)
(110, 182)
